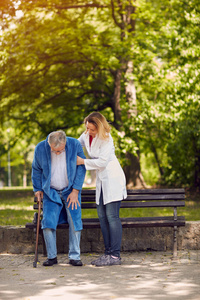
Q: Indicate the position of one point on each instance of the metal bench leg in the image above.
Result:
(175, 242)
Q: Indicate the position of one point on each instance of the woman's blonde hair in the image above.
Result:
(100, 122)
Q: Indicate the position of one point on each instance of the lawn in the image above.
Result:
(19, 211)
(16, 211)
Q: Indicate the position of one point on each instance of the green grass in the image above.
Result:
(191, 212)
(16, 211)
(19, 211)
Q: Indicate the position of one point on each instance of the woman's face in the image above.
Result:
(91, 129)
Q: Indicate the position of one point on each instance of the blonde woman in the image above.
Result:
(110, 184)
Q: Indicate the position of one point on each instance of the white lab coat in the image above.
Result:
(109, 174)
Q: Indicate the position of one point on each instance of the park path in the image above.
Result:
(142, 276)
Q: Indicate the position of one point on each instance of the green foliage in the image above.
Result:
(60, 61)
(149, 169)
(168, 123)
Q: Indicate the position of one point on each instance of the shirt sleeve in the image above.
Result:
(82, 140)
(104, 156)
(80, 171)
(36, 173)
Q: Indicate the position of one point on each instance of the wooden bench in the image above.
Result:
(147, 198)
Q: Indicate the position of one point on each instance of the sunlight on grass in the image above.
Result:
(6, 188)
(191, 212)
(16, 211)
(15, 217)
(15, 207)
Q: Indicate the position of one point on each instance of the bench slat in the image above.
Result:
(152, 204)
(143, 191)
(155, 197)
(164, 221)
(156, 191)
(125, 204)
(134, 195)
(141, 204)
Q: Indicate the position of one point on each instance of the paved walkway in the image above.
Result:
(142, 276)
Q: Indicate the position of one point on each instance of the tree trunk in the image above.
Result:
(116, 100)
(126, 23)
(197, 169)
(133, 170)
(134, 178)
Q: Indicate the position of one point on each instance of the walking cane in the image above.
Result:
(37, 234)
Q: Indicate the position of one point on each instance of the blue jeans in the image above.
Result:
(111, 226)
(74, 239)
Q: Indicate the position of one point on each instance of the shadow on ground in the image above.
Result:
(142, 276)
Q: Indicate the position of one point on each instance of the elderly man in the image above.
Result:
(58, 181)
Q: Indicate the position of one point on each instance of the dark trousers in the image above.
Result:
(111, 226)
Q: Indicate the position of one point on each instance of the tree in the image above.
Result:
(63, 60)
(40, 73)
(183, 149)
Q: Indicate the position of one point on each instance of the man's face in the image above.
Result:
(58, 150)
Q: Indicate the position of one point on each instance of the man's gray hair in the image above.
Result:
(56, 138)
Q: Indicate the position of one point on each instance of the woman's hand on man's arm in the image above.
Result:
(80, 161)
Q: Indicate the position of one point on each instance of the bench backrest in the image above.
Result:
(139, 198)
